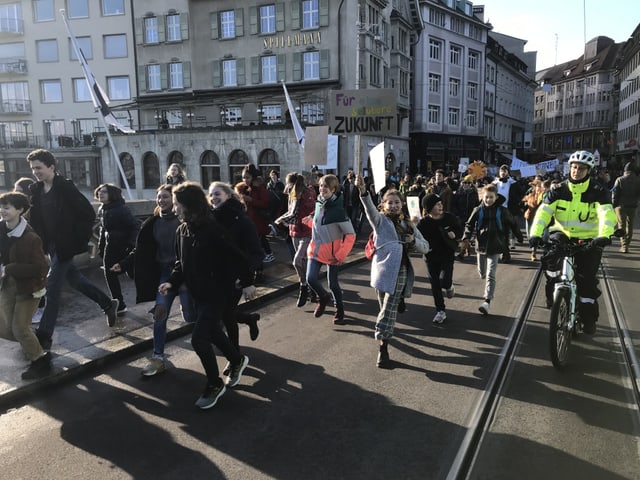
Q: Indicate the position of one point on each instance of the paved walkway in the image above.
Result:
(83, 342)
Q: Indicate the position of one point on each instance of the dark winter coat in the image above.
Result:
(232, 215)
(118, 232)
(435, 232)
(74, 218)
(464, 201)
(25, 260)
(490, 238)
(208, 261)
(626, 191)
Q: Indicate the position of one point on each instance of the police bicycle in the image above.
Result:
(564, 323)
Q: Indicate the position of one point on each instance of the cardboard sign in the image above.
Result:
(363, 112)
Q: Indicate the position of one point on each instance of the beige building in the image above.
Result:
(45, 101)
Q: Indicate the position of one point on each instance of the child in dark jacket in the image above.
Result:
(489, 222)
(440, 229)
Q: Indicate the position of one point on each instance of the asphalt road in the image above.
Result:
(312, 404)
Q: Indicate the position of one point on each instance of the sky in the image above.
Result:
(539, 22)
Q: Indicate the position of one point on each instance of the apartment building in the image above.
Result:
(627, 94)
(45, 99)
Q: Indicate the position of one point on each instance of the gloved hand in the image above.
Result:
(535, 242)
(601, 241)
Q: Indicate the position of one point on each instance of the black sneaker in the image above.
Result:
(321, 306)
(303, 295)
(39, 368)
(112, 312)
(210, 396)
(235, 373)
(588, 316)
(122, 308)
(254, 331)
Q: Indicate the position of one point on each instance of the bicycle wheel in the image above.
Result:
(559, 334)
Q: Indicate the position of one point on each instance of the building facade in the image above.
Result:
(627, 96)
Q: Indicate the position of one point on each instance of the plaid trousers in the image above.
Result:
(389, 307)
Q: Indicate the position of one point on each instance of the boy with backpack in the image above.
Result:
(489, 223)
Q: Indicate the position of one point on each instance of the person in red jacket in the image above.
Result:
(302, 200)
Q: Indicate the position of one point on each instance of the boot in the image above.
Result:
(303, 295)
(252, 321)
(39, 368)
(338, 317)
(383, 355)
(321, 306)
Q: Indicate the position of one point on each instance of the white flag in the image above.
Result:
(99, 97)
(297, 128)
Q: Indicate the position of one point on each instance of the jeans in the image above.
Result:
(487, 265)
(313, 269)
(58, 272)
(160, 325)
(441, 276)
(207, 331)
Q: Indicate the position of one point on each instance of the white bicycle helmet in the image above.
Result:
(583, 157)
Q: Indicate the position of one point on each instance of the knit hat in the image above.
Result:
(429, 201)
(468, 178)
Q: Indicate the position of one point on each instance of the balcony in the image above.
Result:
(11, 26)
(15, 106)
(10, 66)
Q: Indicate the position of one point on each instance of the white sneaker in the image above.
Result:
(440, 317)
(156, 365)
(484, 308)
(268, 258)
(450, 291)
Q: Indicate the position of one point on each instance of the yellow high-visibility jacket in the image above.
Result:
(581, 211)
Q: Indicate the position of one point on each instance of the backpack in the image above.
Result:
(370, 248)
(498, 218)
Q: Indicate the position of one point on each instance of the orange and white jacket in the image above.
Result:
(332, 234)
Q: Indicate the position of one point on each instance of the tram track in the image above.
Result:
(487, 404)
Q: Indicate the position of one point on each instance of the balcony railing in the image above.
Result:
(13, 65)
(15, 106)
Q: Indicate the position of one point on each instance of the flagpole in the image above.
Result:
(99, 101)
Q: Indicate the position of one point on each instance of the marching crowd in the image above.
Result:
(207, 246)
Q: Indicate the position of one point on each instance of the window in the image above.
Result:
(78, 8)
(312, 113)
(472, 91)
(269, 69)
(454, 87)
(456, 25)
(209, 167)
(15, 97)
(115, 46)
(175, 75)
(311, 61)
(173, 28)
(472, 118)
(436, 17)
(113, 7)
(232, 115)
(229, 73)
(227, 24)
(404, 83)
(473, 60)
(153, 77)
(81, 90)
(151, 170)
(455, 53)
(374, 70)
(129, 167)
(11, 18)
(118, 88)
(47, 50)
(434, 114)
(310, 16)
(268, 19)
(151, 30)
(85, 45)
(50, 91)
(435, 48)
(434, 83)
(454, 114)
(272, 114)
(43, 10)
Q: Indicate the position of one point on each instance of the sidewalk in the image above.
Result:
(83, 342)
